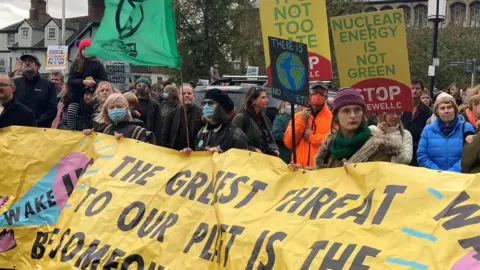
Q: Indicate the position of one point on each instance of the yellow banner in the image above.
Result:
(372, 56)
(303, 21)
(145, 207)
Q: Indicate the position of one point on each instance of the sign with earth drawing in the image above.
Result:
(303, 21)
(372, 56)
(289, 70)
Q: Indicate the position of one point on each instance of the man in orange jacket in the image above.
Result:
(311, 127)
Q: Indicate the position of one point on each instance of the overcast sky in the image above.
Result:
(12, 11)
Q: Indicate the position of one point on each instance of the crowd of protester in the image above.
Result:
(439, 134)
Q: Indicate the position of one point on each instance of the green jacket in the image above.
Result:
(280, 126)
(250, 128)
(471, 157)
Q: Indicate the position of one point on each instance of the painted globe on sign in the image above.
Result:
(291, 71)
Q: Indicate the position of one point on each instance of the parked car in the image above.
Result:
(237, 87)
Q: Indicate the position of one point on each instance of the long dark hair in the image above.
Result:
(79, 62)
(252, 94)
(450, 86)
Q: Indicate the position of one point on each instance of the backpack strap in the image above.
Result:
(151, 137)
(136, 132)
(107, 129)
(463, 132)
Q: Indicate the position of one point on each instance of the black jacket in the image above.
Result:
(38, 95)
(415, 124)
(16, 114)
(93, 68)
(266, 142)
(127, 128)
(154, 120)
(172, 125)
(225, 135)
(168, 106)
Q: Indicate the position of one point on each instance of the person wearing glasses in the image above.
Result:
(311, 127)
(12, 113)
(255, 124)
(218, 135)
(350, 140)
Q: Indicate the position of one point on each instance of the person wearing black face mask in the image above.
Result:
(174, 134)
(149, 109)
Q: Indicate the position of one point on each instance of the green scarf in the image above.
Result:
(343, 148)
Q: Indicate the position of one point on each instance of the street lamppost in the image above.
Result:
(236, 64)
(436, 14)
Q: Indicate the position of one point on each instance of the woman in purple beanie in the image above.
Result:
(350, 139)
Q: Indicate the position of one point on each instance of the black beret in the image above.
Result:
(221, 98)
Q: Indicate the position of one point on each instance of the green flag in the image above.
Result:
(140, 32)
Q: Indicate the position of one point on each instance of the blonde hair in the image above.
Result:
(131, 98)
(282, 107)
(467, 100)
(103, 117)
(473, 100)
(100, 84)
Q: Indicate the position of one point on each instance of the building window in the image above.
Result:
(421, 13)
(406, 13)
(11, 38)
(475, 14)
(24, 32)
(52, 33)
(371, 9)
(386, 8)
(458, 13)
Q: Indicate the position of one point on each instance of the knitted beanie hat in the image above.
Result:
(347, 96)
(145, 81)
(442, 99)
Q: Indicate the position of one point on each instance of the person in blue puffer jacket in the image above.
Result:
(441, 143)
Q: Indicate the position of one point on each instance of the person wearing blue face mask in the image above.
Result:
(116, 115)
(171, 102)
(219, 135)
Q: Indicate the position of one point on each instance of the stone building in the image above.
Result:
(460, 12)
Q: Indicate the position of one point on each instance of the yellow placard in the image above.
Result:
(145, 207)
(372, 55)
(303, 21)
(57, 57)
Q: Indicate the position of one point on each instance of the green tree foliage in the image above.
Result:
(204, 35)
(339, 8)
(225, 30)
(455, 43)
